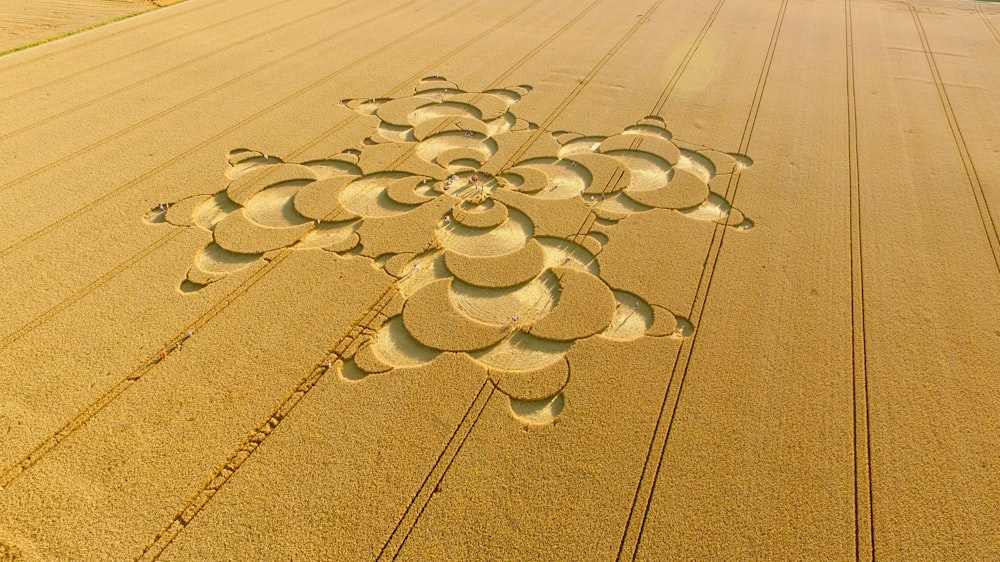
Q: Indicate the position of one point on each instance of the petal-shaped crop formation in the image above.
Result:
(489, 230)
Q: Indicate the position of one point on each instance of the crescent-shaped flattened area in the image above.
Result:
(522, 352)
(490, 106)
(684, 190)
(334, 237)
(394, 346)
(498, 272)
(586, 306)
(429, 83)
(645, 143)
(604, 213)
(344, 164)
(650, 127)
(452, 155)
(199, 276)
(527, 180)
(320, 200)
(563, 253)
(431, 318)
(213, 210)
(430, 148)
(448, 124)
(344, 244)
(369, 362)
(538, 412)
(593, 245)
(573, 143)
(490, 214)
(537, 384)
(275, 206)
(724, 163)
(182, 213)
(503, 239)
(608, 175)
(242, 189)
(403, 191)
(566, 179)
(240, 235)
(398, 111)
(649, 171)
(632, 319)
(664, 322)
(446, 108)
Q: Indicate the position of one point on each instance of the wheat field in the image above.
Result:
(473, 280)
